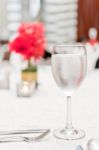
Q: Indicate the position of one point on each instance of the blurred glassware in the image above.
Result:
(17, 61)
(4, 75)
(34, 8)
(93, 33)
(25, 89)
(93, 144)
(92, 49)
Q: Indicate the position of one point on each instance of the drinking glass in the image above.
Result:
(69, 67)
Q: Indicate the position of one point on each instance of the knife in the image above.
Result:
(14, 132)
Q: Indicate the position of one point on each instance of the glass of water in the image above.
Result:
(69, 67)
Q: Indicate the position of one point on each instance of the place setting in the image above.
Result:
(69, 68)
(49, 75)
(29, 136)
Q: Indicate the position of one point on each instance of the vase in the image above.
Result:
(28, 82)
(29, 74)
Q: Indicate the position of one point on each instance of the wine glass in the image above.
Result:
(69, 67)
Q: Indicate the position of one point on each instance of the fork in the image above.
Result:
(23, 138)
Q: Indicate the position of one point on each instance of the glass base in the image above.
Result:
(72, 134)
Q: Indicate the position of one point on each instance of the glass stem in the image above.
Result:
(69, 121)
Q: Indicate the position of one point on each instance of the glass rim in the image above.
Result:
(69, 45)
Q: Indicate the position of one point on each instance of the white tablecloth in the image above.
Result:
(47, 109)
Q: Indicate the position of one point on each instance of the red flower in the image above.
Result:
(19, 45)
(30, 42)
(31, 28)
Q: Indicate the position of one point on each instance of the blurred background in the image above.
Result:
(65, 21)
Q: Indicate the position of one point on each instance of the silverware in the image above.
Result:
(79, 147)
(38, 138)
(25, 139)
(22, 131)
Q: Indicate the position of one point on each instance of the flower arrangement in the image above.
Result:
(30, 43)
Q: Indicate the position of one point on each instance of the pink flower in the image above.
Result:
(30, 42)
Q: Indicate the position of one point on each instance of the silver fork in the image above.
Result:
(23, 138)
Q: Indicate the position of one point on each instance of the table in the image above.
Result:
(47, 109)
